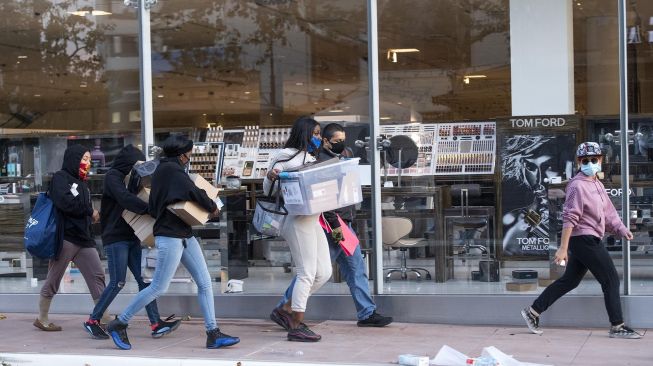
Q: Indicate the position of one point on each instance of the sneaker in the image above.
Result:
(303, 334)
(118, 332)
(532, 321)
(164, 327)
(93, 328)
(375, 320)
(216, 339)
(281, 317)
(624, 332)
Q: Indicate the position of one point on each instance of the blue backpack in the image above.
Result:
(41, 230)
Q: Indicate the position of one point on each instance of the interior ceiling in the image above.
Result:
(213, 57)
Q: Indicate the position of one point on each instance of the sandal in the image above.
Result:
(47, 328)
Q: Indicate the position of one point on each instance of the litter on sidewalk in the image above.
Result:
(448, 356)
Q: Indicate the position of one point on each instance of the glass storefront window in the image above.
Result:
(68, 74)
(234, 75)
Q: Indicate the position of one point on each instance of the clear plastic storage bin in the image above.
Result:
(322, 188)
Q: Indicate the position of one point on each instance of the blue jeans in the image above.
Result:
(352, 268)
(170, 251)
(121, 255)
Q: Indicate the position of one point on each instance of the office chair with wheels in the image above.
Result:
(394, 232)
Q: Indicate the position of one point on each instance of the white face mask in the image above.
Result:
(590, 169)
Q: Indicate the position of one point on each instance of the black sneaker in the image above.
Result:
(375, 320)
(282, 318)
(623, 332)
(303, 334)
(216, 339)
(118, 332)
(164, 327)
(93, 328)
(532, 321)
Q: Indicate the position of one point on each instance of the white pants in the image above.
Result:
(310, 252)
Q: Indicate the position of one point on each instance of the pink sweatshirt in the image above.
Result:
(588, 209)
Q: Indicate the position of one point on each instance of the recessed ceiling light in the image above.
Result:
(37, 95)
(204, 114)
(222, 114)
(231, 102)
(22, 56)
(326, 89)
(399, 103)
(160, 96)
(385, 118)
(83, 13)
(299, 84)
(248, 92)
(83, 84)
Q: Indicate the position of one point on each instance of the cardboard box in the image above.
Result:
(524, 286)
(144, 229)
(143, 225)
(190, 212)
(129, 216)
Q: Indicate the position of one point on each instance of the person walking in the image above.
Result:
(72, 199)
(308, 245)
(175, 243)
(122, 247)
(588, 213)
(352, 268)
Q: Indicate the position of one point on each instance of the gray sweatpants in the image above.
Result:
(88, 262)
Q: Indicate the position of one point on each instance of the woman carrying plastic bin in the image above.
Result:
(307, 242)
(587, 214)
(175, 242)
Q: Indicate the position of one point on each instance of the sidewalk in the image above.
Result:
(342, 343)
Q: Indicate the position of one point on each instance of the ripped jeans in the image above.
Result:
(121, 255)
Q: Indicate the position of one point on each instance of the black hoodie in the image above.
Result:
(72, 198)
(116, 198)
(171, 184)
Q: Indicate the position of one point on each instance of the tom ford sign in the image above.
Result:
(541, 124)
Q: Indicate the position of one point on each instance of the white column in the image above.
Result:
(541, 57)
(145, 57)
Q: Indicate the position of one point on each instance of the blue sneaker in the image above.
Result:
(118, 332)
(164, 327)
(216, 339)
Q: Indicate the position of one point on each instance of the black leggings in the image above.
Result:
(586, 252)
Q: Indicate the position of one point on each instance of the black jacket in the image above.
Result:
(171, 184)
(346, 213)
(117, 198)
(72, 198)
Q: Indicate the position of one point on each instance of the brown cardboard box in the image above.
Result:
(129, 216)
(191, 212)
(521, 286)
(144, 229)
(143, 225)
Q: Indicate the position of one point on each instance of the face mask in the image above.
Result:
(338, 147)
(83, 170)
(590, 169)
(315, 144)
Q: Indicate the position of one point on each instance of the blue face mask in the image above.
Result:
(590, 169)
(315, 144)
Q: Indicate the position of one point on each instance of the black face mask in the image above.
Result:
(338, 147)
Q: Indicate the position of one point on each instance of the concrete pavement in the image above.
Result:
(342, 343)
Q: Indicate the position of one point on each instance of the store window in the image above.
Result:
(640, 148)
(68, 74)
(484, 108)
(234, 75)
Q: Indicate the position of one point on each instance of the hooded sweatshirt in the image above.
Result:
(116, 198)
(588, 209)
(171, 184)
(72, 198)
